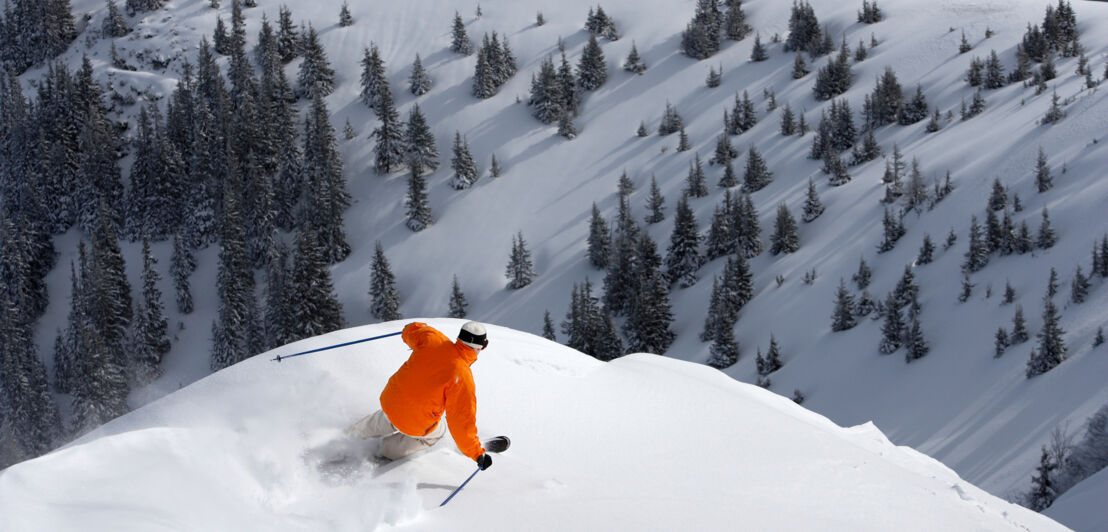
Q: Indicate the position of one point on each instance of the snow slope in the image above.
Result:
(977, 415)
(643, 443)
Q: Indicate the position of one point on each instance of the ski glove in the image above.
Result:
(484, 461)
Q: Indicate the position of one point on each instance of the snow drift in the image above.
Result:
(641, 443)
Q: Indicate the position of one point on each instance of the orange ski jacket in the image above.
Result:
(435, 379)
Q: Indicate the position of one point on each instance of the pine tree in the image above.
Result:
(465, 169)
(1047, 237)
(458, 304)
(715, 77)
(977, 256)
(390, 144)
(421, 154)
(417, 202)
(649, 316)
(758, 53)
(520, 270)
(1055, 114)
(1043, 492)
(812, 206)
(634, 63)
(316, 309)
(721, 234)
(565, 91)
(696, 184)
(747, 228)
(374, 82)
(619, 282)
(842, 318)
(642, 131)
(757, 174)
(287, 37)
(151, 328)
(926, 251)
(592, 71)
(316, 76)
(784, 238)
(671, 121)
(459, 40)
(1098, 340)
(683, 140)
(599, 243)
(892, 330)
(1019, 328)
(724, 350)
(495, 170)
(383, 295)
(278, 314)
(566, 127)
(114, 24)
(863, 275)
(182, 264)
(788, 123)
(1079, 287)
(914, 343)
(967, 288)
(419, 83)
(655, 203)
(321, 211)
(683, 258)
(734, 21)
(893, 229)
(1000, 343)
(700, 39)
(548, 327)
(1052, 348)
(345, 19)
(800, 67)
(235, 284)
(1043, 179)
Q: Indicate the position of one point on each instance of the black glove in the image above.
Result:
(484, 461)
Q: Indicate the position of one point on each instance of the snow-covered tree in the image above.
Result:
(383, 296)
(520, 270)
(592, 71)
(465, 169)
(599, 243)
(812, 206)
(459, 39)
(784, 238)
(345, 18)
(315, 306)
(757, 174)
(683, 258)
(842, 318)
(419, 83)
(634, 63)
(458, 304)
(316, 76)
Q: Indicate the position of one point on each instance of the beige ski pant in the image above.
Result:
(394, 444)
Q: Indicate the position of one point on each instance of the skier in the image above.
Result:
(436, 379)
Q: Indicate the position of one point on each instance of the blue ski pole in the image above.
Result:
(280, 358)
(460, 487)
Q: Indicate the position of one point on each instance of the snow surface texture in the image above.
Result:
(978, 415)
(619, 446)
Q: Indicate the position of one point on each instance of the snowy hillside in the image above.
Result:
(664, 445)
(976, 414)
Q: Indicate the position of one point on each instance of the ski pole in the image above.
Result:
(280, 358)
(471, 475)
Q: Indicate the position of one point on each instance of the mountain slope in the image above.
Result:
(978, 415)
(643, 443)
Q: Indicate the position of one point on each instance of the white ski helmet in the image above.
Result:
(473, 335)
